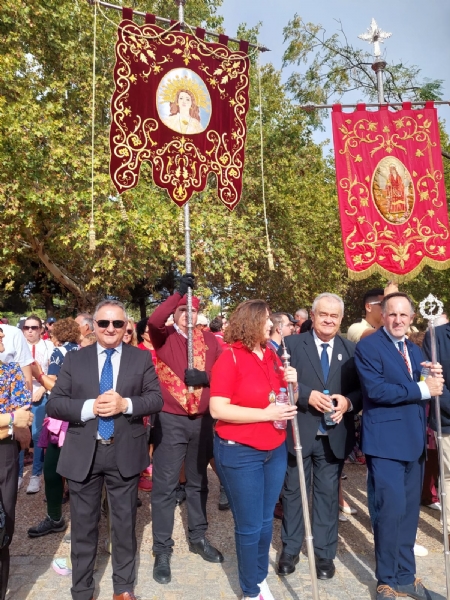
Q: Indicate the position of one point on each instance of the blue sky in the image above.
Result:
(419, 30)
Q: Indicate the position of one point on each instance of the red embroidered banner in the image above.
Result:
(391, 191)
(180, 103)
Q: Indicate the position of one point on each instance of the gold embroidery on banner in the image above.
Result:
(418, 235)
(181, 165)
(394, 202)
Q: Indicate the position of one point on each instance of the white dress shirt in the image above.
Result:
(87, 412)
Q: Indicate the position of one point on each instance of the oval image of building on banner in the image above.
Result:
(393, 190)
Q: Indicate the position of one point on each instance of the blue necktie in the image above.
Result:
(325, 370)
(106, 424)
(400, 347)
(324, 362)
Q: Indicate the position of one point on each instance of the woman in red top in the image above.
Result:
(250, 453)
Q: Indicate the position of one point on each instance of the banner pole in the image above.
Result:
(435, 307)
(187, 243)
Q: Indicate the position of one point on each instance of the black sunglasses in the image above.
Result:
(104, 323)
(33, 327)
(129, 331)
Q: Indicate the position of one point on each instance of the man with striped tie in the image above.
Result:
(104, 391)
(394, 442)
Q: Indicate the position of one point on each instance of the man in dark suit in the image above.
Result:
(393, 440)
(324, 361)
(103, 391)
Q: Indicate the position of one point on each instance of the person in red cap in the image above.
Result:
(183, 430)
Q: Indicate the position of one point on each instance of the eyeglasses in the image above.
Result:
(377, 302)
(33, 327)
(104, 323)
(129, 331)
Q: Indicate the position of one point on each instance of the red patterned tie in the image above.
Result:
(402, 351)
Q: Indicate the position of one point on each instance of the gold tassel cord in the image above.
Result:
(181, 222)
(122, 209)
(230, 227)
(94, 52)
(269, 249)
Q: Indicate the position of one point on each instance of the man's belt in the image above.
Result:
(105, 442)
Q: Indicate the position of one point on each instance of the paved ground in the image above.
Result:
(32, 577)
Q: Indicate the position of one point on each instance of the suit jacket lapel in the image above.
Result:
(313, 356)
(414, 366)
(94, 379)
(392, 348)
(338, 348)
(124, 360)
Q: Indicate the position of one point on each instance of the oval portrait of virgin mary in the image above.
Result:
(183, 101)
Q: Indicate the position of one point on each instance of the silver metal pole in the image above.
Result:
(378, 66)
(187, 242)
(443, 494)
(304, 494)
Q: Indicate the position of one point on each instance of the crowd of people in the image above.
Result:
(110, 406)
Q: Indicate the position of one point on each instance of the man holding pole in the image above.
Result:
(183, 430)
(393, 440)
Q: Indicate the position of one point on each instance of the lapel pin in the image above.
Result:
(339, 356)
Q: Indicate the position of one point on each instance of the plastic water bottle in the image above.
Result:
(327, 415)
(424, 373)
(281, 398)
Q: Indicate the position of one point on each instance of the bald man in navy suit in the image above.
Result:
(394, 442)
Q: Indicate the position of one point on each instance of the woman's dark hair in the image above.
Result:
(246, 324)
(306, 326)
(66, 330)
(140, 329)
(216, 324)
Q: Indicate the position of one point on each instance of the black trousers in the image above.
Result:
(325, 469)
(176, 439)
(9, 473)
(85, 504)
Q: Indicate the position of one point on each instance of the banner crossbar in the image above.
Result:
(168, 21)
(370, 105)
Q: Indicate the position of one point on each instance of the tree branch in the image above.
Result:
(65, 281)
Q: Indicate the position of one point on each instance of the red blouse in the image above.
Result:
(247, 380)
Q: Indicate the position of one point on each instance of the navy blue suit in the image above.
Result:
(394, 442)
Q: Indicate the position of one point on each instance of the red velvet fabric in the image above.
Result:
(391, 191)
(181, 104)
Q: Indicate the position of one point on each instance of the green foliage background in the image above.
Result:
(45, 185)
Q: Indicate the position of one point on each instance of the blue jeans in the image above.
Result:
(252, 480)
(38, 410)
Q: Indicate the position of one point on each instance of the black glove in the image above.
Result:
(194, 378)
(187, 281)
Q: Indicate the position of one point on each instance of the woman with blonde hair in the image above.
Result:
(249, 445)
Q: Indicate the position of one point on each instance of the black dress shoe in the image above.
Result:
(325, 568)
(206, 551)
(286, 564)
(161, 568)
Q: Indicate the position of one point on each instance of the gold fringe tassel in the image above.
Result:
(427, 261)
(122, 209)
